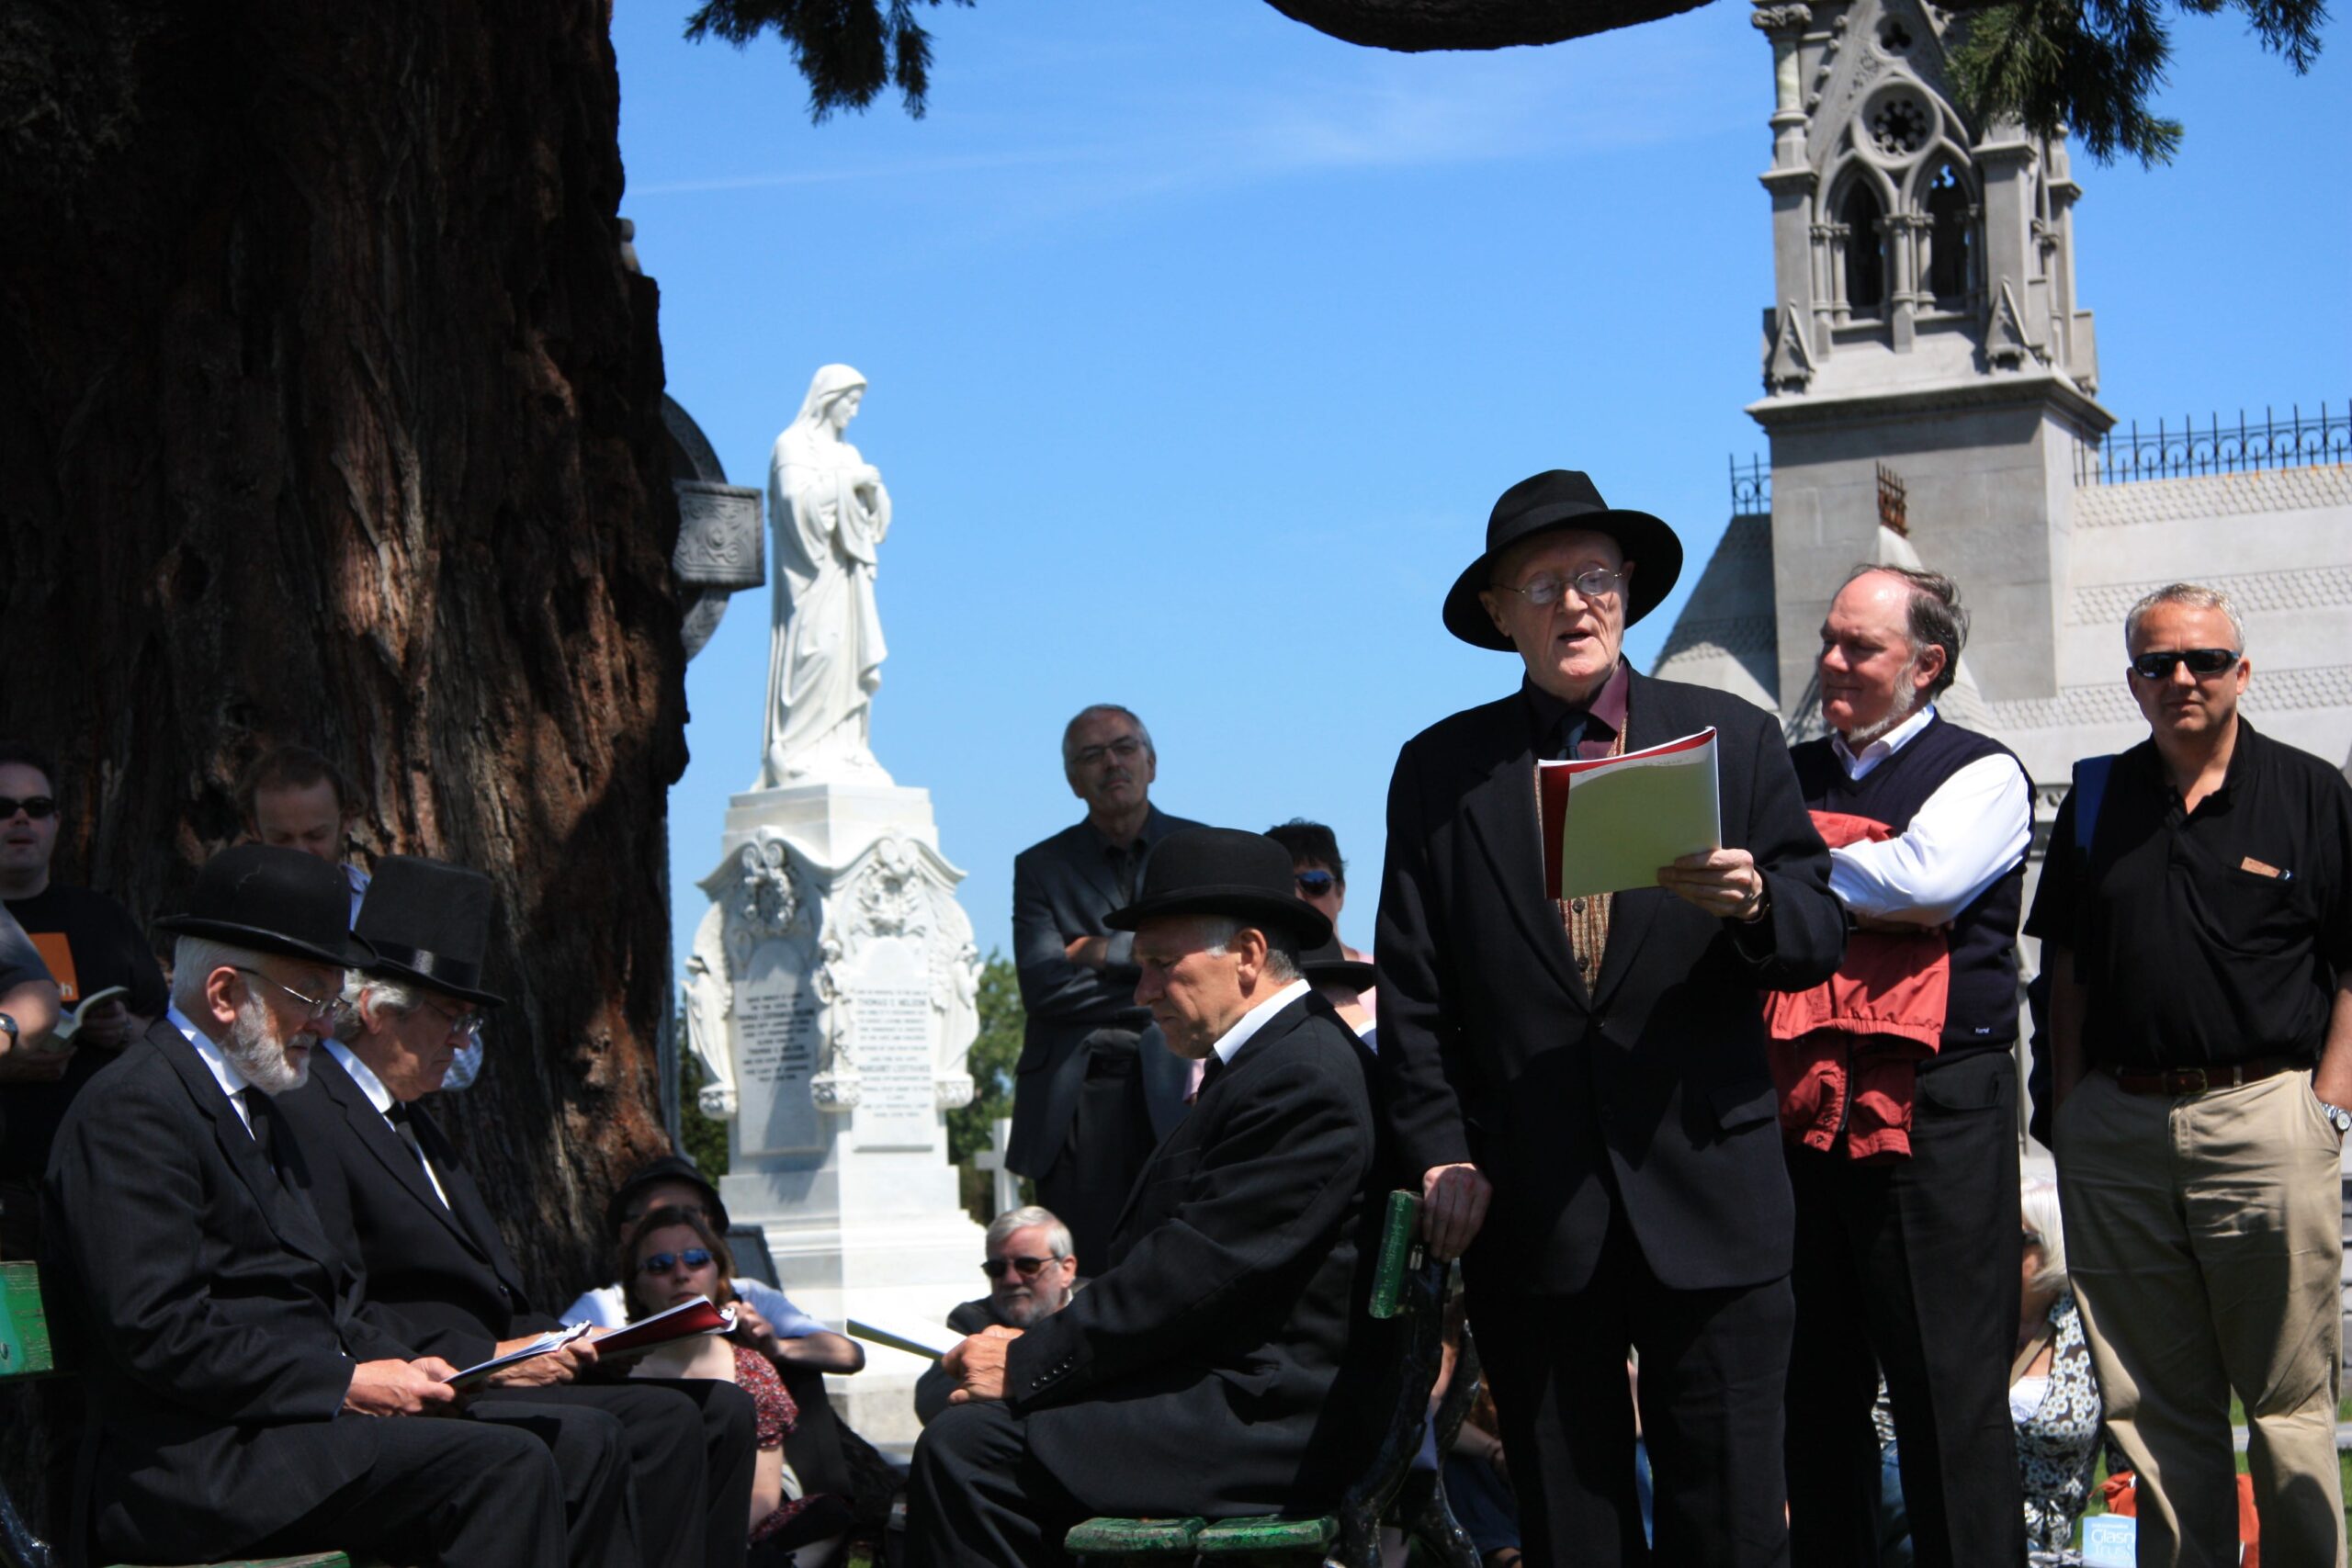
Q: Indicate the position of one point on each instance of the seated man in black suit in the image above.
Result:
(1209, 1368)
(216, 1327)
(392, 1197)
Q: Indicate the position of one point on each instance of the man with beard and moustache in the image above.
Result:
(1091, 1085)
(1031, 1270)
(1899, 1096)
(658, 1473)
(217, 1330)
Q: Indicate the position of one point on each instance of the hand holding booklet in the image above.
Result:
(545, 1345)
(680, 1322)
(1610, 824)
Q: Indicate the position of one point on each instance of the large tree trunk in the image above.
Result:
(329, 413)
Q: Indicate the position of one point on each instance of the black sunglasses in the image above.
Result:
(663, 1262)
(35, 806)
(1314, 884)
(2203, 662)
(1030, 1267)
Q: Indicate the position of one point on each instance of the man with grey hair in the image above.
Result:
(2196, 919)
(1088, 1095)
(1032, 1270)
(1899, 1095)
(218, 1329)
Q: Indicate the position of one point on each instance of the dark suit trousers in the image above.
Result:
(1109, 1139)
(591, 1454)
(730, 1453)
(1911, 1268)
(457, 1494)
(1712, 1366)
(976, 1495)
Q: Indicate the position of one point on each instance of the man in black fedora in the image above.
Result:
(1580, 1087)
(654, 1474)
(1209, 1368)
(231, 1373)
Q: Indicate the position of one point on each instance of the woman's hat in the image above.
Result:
(429, 922)
(1222, 871)
(1331, 965)
(669, 1168)
(273, 899)
(1564, 498)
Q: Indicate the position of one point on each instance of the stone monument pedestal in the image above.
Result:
(831, 996)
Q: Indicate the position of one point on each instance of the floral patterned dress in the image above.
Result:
(2058, 1444)
(774, 1415)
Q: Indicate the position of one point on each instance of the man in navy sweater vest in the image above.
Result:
(1900, 1097)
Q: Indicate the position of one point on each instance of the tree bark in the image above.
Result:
(329, 413)
(1416, 25)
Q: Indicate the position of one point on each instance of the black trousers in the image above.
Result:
(1910, 1267)
(1712, 1366)
(976, 1496)
(592, 1457)
(729, 1437)
(1109, 1140)
(455, 1494)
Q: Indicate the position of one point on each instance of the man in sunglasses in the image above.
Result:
(1090, 1087)
(90, 944)
(1032, 1271)
(1899, 1100)
(653, 1472)
(2196, 919)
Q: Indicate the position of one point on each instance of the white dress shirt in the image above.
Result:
(1233, 1039)
(381, 1098)
(1963, 837)
(232, 1082)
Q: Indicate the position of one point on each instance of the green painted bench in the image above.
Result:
(26, 1352)
(1409, 1289)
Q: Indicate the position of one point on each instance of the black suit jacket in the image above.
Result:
(1220, 1365)
(216, 1327)
(438, 1277)
(1654, 1083)
(1061, 889)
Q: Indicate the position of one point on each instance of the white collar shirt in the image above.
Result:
(381, 1098)
(1967, 835)
(1859, 765)
(1233, 1039)
(232, 1082)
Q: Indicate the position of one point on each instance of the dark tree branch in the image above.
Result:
(847, 50)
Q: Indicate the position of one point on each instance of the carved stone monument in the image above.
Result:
(831, 991)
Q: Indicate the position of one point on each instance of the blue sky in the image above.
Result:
(1200, 344)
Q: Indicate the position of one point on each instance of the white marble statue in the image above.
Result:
(829, 513)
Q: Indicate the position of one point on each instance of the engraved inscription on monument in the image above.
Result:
(894, 1050)
(775, 1028)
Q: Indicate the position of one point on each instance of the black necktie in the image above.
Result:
(1209, 1070)
(404, 1117)
(257, 1118)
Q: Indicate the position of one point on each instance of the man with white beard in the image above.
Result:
(217, 1328)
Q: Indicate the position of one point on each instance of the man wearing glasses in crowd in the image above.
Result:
(1031, 1270)
(1088, 1087)
(2196, 919)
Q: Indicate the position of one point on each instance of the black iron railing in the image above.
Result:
(1751, 488)
(2296, 440)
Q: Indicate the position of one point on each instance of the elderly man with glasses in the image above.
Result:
(653, 1472)
(1091, 1095)
(2196, 919)
(1032, 1270)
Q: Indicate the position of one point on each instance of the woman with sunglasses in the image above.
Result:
(671, 1255)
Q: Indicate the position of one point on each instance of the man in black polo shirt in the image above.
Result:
(2200, 953)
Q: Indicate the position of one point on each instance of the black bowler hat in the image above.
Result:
(669, 1168)
(1222, 871)
(1564, 498)
(273, 900)
(429, 922)
(1331, 965)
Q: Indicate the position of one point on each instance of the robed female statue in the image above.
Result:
(829, 513)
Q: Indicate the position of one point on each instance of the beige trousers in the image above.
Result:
(2204, 1240)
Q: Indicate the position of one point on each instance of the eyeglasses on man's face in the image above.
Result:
(35, 807)
(1028, 1268)
(461, 1020)
(663, 1262)
(2203, 662)
(1125, 749)
(312, 1007)
(1593, 584)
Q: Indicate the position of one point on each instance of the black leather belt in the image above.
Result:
(2197, 1080)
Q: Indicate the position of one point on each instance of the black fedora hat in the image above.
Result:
(429, 922)
(1564, 498)
(273, 899)
(1223, 871)
(1330, 964)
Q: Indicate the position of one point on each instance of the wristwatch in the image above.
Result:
(2338, 1117)
(8, 1028)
